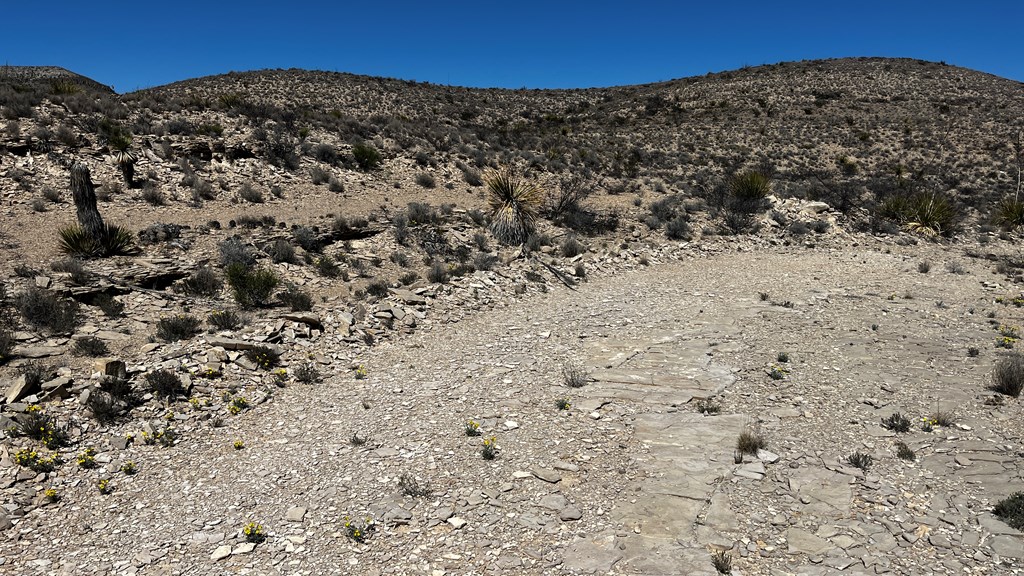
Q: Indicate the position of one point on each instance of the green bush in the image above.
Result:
(295, 299)
(367, 157)
(750, 186)
(1011, 510)
(177, 327)
(112, 241)
(252, 287)
(1010, 213)
(90, 346)
(931, 213)
(202, 282)
(165, 384)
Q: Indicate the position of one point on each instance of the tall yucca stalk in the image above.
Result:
(125, 158)
(513, 203)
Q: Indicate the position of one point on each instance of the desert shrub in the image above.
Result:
(438, 273)
(112, 241)
(721, 560)
(679, 228)
(7, 341)
(43, 309)
(426, 180)
(324, 153)
(860, 460)
(897, 423)
(38, 205)
(307, 373)
(408, 278)
(571, 247)
(484, 261)
(153, 195)
(66, 136)
(377, 288)
(400, 225)
(104, 407)
(820, 226)
(1009, 213)
(477, 216)
(1008, 375)
(233, 251)
(421, 213)
(250, 194)
(1011, 510)
(295, 299)
(928, 212)
(225, 320)
(335, 185)
(513, 204)
(51, 195)
(264, 357)
(90, 346)
(202, 282)
(307, 238)
(924, 266)
(537, 241)
(281, 250)
(266, 221)
(72, 266)
(750, 441)
(326, 266)
(177, 327)
(165, 384)
(319, 175)
(574, 375)
(251, 287)
(367, 157)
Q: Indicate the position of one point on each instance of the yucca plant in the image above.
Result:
(111, 241)
(125, 158)
(750, 186)
(1010, 213)
(931, 213)
(513, 204)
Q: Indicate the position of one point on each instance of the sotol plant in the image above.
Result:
(513, 204)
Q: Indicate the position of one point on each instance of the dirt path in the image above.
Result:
(631, 479)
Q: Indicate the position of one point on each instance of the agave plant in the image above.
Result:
(513, 203)
(125, 158)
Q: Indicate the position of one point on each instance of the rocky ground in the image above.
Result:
(630, 479)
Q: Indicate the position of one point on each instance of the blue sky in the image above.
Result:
(526, 43)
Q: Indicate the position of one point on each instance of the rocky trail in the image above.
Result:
(631, 478)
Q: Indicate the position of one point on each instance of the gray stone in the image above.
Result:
(546, 475)
(570, 513)
(229, 343)
(554, 502)
(1007, 546)
(594, 555)
(408, 297)
(18, 390)
(244, 548)
(221, 553)
(295, 514)
(457, 522)
(803, 542)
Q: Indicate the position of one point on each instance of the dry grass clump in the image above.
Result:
(1008, 376)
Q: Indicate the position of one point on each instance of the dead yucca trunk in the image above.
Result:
(84, 195)
(514, 204)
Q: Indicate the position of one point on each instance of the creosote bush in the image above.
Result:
(202, 282)
(225, 319)
(367, 157)
(177, 327)
(1011, 510)
(295, 299)
(252, 287)
(165, 384)
(43, 309)
(90, 346)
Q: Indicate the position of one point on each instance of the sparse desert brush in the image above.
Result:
(237, 405)
(225, 319)
(1011, 510)
(327, 267)
(250, 194)
(897, 423)
(750, 187)
(307, 373)
(177, 327)
(574, 375)
(903, 452)
(563, 404)
(367, 157)
(111, 308)
(202, 282)
(295, 299)
(859, 460)
(165, 384)
(1008, 375)
(722, 562)
(233, 251)
(708, 406)
(750, 441)
(410, 486)
(43, 309)
(252, 287)
(90, 346)
(513, 204)
(263, 357)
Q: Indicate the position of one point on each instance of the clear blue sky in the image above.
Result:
(516, 43)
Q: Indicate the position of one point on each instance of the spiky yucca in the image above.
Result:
(513, 203)
(1010, 213)
(125, 158)
(112, 241)
(750, 186)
